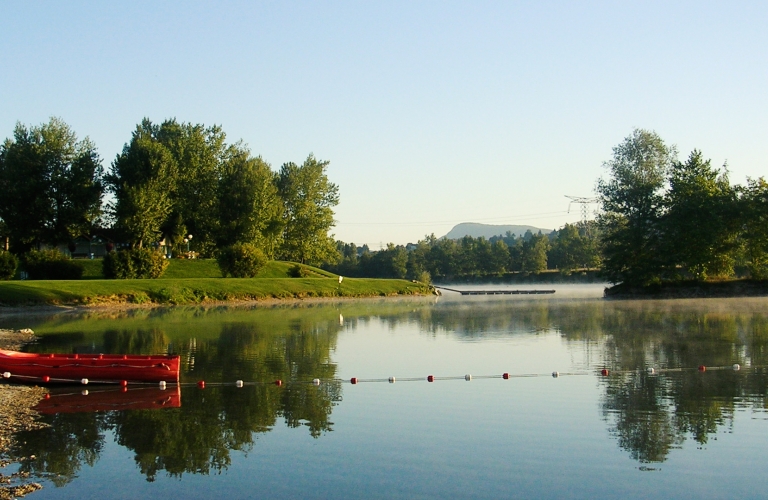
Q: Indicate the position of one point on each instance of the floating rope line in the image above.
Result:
(605, 372)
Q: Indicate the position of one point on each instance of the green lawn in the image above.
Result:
(198, 290)
(204, 268)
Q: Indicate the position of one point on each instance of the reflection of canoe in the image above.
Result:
(97, 368)
(110, 400)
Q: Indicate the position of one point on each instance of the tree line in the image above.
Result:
(570, 248)
(170, 180)
(660, 220)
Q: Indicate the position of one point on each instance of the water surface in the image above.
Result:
(679, 432)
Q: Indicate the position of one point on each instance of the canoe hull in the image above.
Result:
(97, 368)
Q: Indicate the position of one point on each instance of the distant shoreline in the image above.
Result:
(691, 290)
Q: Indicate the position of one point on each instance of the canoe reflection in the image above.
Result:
(68, 400)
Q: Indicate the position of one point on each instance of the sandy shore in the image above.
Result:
(16, 403)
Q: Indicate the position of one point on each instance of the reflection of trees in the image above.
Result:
(649, 415)
(199, 436)
(152, 341)
(72, 440)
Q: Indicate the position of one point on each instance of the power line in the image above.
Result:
(542, 215)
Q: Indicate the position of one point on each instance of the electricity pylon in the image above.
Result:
(584, 202)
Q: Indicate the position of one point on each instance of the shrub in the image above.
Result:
(241, 260)
(298, 271)
(51, 265)
(8, 264)
(134, 263)
(424, 277)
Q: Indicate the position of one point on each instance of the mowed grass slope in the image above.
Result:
(205, 268)
(198, 281)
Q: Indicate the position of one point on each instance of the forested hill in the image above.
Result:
(488, 230)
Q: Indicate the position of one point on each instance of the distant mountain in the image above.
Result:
(487, 230)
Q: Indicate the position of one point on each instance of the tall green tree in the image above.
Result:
(142, 179)
(250, 208)
(700, 223)
(51, 185)
(199, 153)
(391, 262)
(754, 210)
(534, 254)
(632, 205)
(309, 198)
(573, 248)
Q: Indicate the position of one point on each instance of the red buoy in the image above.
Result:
(505, 376)
(201, 384)
(124, 383)
(702, 368)
(604, 372)
(431, 378)
(46, 378)
(278, 382)
(353, 380)
(47, 396)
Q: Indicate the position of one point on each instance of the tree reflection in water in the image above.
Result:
(199, 437)
(649, 415)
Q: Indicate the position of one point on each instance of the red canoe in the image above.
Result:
(96, 368)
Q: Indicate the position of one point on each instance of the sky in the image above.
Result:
(430, 113)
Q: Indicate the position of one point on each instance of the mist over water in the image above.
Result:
(562, 291)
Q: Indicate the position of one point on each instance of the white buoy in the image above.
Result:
(467, 377)
(84, 392)
(392, 380)
(736, 367)
(162, 384)
(84, 381)
(555, 374)
(238, 383)
(650, 370)
(6, 374)
(316, 381)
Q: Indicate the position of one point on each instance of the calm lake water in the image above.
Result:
(676, 433)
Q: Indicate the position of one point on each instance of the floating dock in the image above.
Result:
(497, 292)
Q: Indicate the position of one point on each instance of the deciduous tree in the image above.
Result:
(250, 208)
(51, 185)
(309, 198)
(631, 201)
(754, 210)
(700, 223)
(142, 179)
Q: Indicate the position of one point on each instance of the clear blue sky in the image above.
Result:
(431, 113)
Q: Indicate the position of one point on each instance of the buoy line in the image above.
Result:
(202, 384)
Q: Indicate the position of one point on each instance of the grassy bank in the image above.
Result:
(198, 281)
(690, 289)
(196, 290)
(204, 268)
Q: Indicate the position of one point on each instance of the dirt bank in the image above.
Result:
(16, 403)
